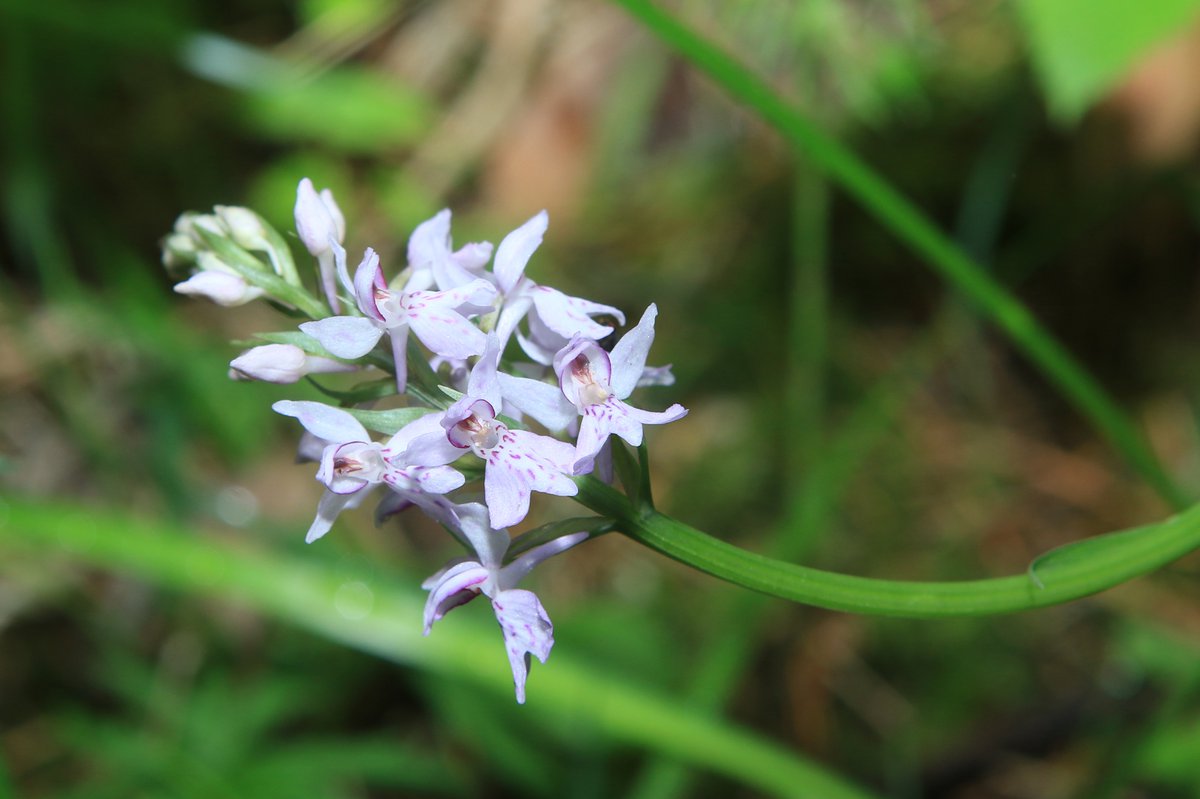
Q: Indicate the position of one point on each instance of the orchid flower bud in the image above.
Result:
(318, 219)
(248, 230)
(281, 363)
(245, 227)
(321, 226)
(178, 251)
(223, 288)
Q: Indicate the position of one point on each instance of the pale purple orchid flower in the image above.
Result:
(435, 317)
(412, 463)
(524, 622)
(282, 363)
(597, 383)
(431, 262)
(321, 226)
(548, 309)
(517, 462)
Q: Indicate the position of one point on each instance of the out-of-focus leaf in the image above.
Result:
(583, 696)
(348, 109)
(1081, 48)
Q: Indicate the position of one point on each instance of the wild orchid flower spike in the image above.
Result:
(548, 308)
(435, 317)
(412, 463)
(517, 462)
(320, 225)
(597, 383)
(431, 262)
(526, 625)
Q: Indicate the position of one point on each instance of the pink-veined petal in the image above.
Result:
(438, 479)
(515, 251)
(457, 586)
(478, 292)
(570, 316)
(536, 399)
(629, 354)
(446, 332)
(556, 456)
(527, 631)
(464, 407)
(506, 491)
(674, 413)
(593, 432)
(345, 336)
(324, 421)
(367, 278)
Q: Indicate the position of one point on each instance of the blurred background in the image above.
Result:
(848, 409)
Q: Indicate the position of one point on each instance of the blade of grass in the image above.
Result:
(303, 593)
(910, 225)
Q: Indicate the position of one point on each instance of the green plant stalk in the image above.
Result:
(306, 593)
(1070, 572)
(899, 215)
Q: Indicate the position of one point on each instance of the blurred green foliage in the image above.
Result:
(932, 452)
(1081, 48)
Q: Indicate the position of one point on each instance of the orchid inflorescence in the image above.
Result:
(493, 357)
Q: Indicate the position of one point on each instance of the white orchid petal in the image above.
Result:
(345, 336)
(527, 631)
(517, 248)
(539, 400)
(324, 421)
(629, 354)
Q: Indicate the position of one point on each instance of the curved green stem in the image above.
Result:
(913, 227)
(1071, 572)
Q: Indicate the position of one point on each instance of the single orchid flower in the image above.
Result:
(597, 383)
(412, 463)
(548, 309)
(435, 317)
(431, 262)
(517, 462)
(524, 622)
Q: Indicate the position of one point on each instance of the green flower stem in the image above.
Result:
(1071, 572)
(907, 222)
